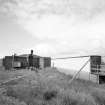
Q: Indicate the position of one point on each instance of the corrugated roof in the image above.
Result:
(26, 55)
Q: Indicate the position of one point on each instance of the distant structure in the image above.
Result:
(30, 59)
(26, 61)
(97, 68)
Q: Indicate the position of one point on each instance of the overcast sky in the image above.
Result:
(52, 27)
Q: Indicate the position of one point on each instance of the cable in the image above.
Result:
(70, 57)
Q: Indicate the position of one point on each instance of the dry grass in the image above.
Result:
(4, 100)
(50, 87)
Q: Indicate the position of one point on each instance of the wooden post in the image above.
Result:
(53, 65)
(97, 74)
(89, 76)
(90, 69)
(13, 61)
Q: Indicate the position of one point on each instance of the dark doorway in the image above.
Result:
(101, 79)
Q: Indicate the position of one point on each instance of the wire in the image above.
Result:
(70, 57)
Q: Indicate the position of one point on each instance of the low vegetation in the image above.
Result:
(50, 87)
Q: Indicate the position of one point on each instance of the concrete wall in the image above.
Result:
(41, 63)
(45, 62)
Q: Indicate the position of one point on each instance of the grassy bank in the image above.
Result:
(50, 87)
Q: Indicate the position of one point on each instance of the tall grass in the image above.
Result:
(4, 100)
(53, 88)
(36, 96)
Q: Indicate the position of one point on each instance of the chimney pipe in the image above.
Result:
(31, 52)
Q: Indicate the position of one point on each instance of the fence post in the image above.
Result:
(13, 61)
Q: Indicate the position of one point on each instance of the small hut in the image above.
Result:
(25, 61)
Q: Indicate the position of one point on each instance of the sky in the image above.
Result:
(52, 27)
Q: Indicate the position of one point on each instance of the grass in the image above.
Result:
(50, 87)
(4, 100)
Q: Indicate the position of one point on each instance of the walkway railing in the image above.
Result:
(98, 68)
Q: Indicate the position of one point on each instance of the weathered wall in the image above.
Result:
(41, 63)
(1, 62)
(7, 62)
(47, 62)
